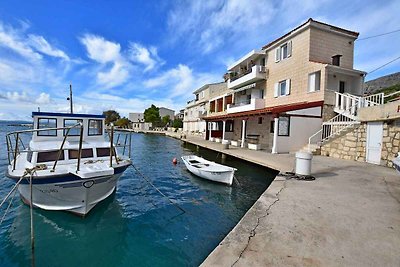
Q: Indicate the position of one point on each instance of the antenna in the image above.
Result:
(70, 98)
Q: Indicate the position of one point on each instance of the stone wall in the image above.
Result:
(351, 145)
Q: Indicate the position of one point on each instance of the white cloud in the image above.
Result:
(14, 96)
(43, 98)
(100, 49)
(146, 56)
(14, 40)
(212, 24)
(106, 52)
(41, 45)
(181, 80)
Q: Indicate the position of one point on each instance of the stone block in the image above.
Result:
(396, 142)
(350, 144)
(384, 154)
(346, 148)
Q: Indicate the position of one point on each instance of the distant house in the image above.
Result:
(166, 112)
(138, 123)
(198, 108)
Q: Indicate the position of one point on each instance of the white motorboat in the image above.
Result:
(72, 165)
(209, 170)
(396, 163)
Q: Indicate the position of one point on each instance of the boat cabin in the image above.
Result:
(93, 126)
(45, 145)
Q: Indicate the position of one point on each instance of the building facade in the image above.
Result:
(279, 96)
(166, 112)
(198, 108)
(138, 123)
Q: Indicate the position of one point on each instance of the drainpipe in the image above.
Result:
(209, 130)
(223, 130)
(274, 147)
(243, 132)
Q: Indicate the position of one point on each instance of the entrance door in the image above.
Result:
(374, 142)
(342, 86)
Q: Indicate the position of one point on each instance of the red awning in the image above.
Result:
(269, 110)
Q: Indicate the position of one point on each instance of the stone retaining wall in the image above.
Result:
(351, 145)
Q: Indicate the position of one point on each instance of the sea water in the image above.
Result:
(136, 226)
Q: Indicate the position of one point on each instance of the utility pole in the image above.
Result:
(70, 98)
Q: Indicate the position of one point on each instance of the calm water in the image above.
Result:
(136, 226)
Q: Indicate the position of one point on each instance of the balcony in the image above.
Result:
(250, 104)
(256, 73)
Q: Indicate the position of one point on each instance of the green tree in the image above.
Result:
(166, 120)
(152, 115)
(178, 123)
(123, 122)
(111, 116)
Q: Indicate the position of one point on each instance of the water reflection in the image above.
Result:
(105, 230)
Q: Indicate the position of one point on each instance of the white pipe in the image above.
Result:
(274, 145)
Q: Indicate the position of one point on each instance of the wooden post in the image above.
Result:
(111, 144)
(16, 151)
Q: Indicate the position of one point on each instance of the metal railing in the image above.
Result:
(256, 68)
(333, 127)
(14, 144)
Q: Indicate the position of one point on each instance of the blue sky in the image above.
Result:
(127, 55)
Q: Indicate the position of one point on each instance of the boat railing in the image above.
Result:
(16, 146)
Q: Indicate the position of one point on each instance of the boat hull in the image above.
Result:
(225, 177)
(75, 195)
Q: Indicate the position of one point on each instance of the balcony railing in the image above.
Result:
(241, 103)
(256, 73)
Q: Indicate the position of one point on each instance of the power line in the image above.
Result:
(384, 65)
(386, 33)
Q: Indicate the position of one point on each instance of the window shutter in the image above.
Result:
(311, 82)
(287, 86)
(289, 48)
(277, 54)
(276, 89)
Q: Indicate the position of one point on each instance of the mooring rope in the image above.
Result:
(292, 175)
(8, 207)
(158, 190)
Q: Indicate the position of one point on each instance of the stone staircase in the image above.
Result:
(347, 106)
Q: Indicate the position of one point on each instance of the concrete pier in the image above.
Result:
(348, 216)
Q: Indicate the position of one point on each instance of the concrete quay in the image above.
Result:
(348, 216)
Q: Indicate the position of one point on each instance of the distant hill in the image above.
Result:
(380, 83)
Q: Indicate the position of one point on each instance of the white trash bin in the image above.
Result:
(303, 163)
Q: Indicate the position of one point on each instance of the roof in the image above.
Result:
(309, 22)
(252, 55)
(69, 115)
(269, 110)
(204, 87)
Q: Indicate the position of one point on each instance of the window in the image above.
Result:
(49, 156)
(260, 119)
(73, 131)
(229, 126)
(202, 94)
(103, 151)
(197, 97)
(29, 156)
(336, 60)
(47, 123)
(314, 81)
(86, 153)
(283, 51)
(95, 127)
(283, 126)
(282, 88)
(272, 126)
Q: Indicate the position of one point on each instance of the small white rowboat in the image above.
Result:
(209, 170)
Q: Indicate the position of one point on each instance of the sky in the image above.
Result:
(127, 55)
